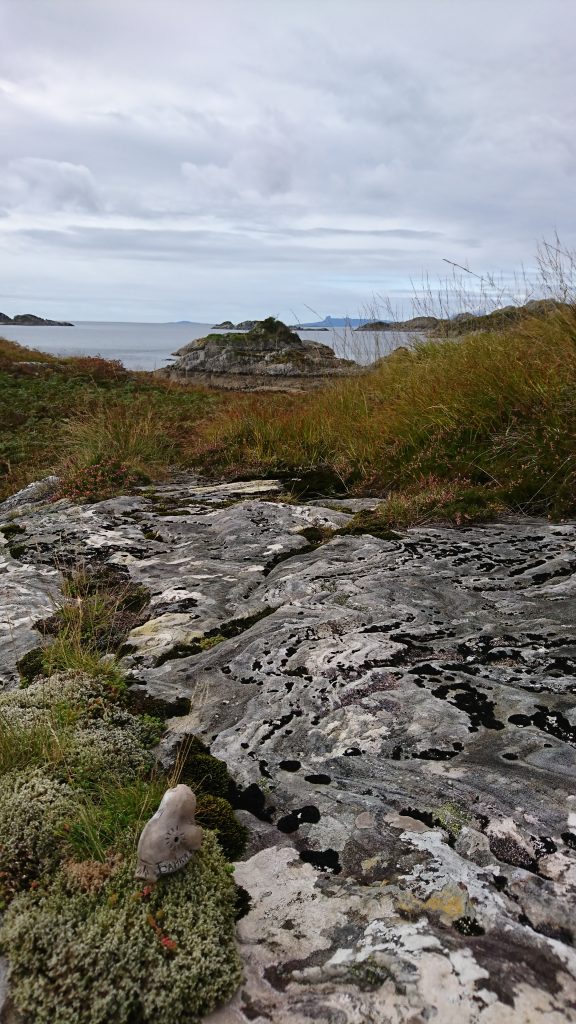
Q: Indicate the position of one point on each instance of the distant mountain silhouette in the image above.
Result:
(336, 321)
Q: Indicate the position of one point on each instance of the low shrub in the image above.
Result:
(124, 439)
(101, 608)
(66, 415)
(97, 481)
(454, 503)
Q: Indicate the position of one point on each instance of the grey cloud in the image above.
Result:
(217, 247)
(357, 144)
(38, 184)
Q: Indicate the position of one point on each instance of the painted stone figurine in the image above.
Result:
(169, 839)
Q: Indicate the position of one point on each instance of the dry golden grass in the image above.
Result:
(495, 409)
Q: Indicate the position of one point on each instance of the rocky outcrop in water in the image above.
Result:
(268, 357)
(400, 720)
(29, 320)
(417, 323)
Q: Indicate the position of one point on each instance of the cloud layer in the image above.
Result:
(186, 160)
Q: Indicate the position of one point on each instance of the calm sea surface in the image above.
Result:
(150, 346)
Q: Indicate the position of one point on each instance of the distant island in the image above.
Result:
(29, 320)
(417, 323)
(327, 324)
(227, 325)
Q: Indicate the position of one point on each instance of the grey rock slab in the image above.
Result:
(343, 954)
(399, 718)
(27, 594)
(37, 491)
(351, 505)
(422, 678)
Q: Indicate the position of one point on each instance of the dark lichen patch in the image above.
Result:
(448, 816)
(542, 846)
(179, 650)
(475, 703)
(468, 926)
(569, 839)
(290, 766)
(283, 556)
(509, 851)
(251, 798)
(308, 815)
(434, 754)
(225, 631)
(318, 780)
(280, 723)
(11, 530)
(524, 962)
(323, 860)
(552, 722)
(426, 817)
(551, 931)
(141, 701)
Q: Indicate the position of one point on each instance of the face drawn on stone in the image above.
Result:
(169, 839)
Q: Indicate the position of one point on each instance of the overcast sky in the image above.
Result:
(206, 159)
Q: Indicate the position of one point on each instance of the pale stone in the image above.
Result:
(171, 836)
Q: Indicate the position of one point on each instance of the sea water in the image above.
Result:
(151, 346)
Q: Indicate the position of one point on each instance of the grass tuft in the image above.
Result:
(494, 409)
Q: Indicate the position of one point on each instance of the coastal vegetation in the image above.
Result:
(493, 410)
(99, 426)
(458, 427)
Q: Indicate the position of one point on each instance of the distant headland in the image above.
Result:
(29, 320)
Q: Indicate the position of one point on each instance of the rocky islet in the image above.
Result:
(30, 320)
(268, 356)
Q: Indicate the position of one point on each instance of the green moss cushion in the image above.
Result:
(126, 954)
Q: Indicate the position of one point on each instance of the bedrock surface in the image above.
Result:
(400, 720)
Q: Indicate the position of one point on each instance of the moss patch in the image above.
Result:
(162, 954)
(215, 813)
(86, 943)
